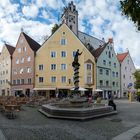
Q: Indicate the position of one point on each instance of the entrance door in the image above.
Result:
(27, 92)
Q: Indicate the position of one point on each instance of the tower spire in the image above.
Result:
(70, 17)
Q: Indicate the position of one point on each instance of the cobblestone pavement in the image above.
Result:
(32, 125)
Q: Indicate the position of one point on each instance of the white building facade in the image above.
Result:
(127, 69)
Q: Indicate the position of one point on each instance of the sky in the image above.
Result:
(99, 18)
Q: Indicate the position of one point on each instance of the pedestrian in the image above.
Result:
(111, 102)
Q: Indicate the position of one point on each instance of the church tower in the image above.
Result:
(70, 17)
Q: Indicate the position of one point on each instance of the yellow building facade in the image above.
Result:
(53, 64)
(5, 69)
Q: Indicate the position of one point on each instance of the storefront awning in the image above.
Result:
(18, 89)
(49, 88)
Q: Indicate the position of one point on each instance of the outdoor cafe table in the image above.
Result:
(12, 107)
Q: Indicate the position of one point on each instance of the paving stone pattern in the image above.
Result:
(32, 125)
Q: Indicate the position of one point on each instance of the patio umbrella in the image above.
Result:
(98, 90)
(80, 89)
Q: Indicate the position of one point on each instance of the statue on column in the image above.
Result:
(76, 60)
(76, 66)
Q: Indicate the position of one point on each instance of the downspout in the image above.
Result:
(11, 76)
(120, 82)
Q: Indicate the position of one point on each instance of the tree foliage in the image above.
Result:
(137, 79)
(54, 28)
(131, 8)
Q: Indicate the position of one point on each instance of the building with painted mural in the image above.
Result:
(23, 64)
(5, 69)
(127, 69)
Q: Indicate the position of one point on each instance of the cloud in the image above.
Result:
(30, 11)
(38, 16)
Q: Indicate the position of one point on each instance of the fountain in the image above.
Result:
(77, 108)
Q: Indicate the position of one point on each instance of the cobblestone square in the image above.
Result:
(32, 125)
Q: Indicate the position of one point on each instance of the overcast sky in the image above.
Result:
(100, 18)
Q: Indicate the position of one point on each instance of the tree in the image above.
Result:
(131, 8)
(137, 79)
(54, 28)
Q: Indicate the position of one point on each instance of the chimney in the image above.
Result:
(110, 40)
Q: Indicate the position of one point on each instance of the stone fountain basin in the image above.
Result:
(54, 110)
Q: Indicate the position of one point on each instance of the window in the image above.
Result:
(14, 72)
(63, 41)
(19, 50)
(63, 66)
(18, 81)
(101, 82)
(21, 70)
(107, 83)
(107, 72)
(117, 74)
(109, 55)
(113, 74)
(125, 68)
(101, 71)
(53, 66)
(88, 66)
(6, 71)
(29, 70)
(22, 60)
(109, 63)
(29, 80)
(74, 53)
(53, 54)
(29, 59)
(104, 62)
(24, 49)
(71, 27)
(63, 79)
(89, 80)
(53, 79)
(22, 81)
(14, 82)
(63, 54)
(113, 83)
(117, 84)
(41, 79)
(127, 61)
(17, 61)
(114, 65)
(124, 76)
(40, 67)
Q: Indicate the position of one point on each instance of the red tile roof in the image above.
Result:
(99, 50)
(122, 56)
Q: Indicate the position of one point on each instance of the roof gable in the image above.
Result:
(71, 32)
(122, 56)
(99, 51)
(10, 49)
(32, 43)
